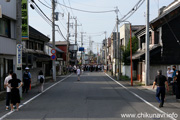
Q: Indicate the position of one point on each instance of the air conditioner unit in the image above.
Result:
(8, 0)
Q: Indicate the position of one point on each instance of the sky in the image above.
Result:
(92, 24)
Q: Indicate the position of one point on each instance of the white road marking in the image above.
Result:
(4, 116)
(141, 98)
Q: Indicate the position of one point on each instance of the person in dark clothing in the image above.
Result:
(160, 81)
(15, 96)
(26, 80)
(177, 85)
(173, 85)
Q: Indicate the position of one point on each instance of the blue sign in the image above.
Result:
(19, 55)
(81, 49)
(53, 57)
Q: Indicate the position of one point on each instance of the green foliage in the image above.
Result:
(126, 52)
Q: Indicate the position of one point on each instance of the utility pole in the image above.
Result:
(53, 38)
(90, 45)
(147, 45)
(67, 51)
(105, 48)
(118, 48)
(76, 40)
(19, 39)
(81, 46)
(76, 25)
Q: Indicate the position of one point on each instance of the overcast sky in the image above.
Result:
(92, 24)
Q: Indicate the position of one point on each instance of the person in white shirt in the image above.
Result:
(41, 81)
(169, 74)
(8, 90)
(78, 73)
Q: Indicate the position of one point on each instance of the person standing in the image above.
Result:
(169, 74)
(8, 90)
(26, 80)
(15, 96)
(160, 81)
(78, 73)
(41, 81)
(177, 85)
(173, 84)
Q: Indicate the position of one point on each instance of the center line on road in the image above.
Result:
(4, 116)
(141, 98)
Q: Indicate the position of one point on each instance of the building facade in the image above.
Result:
(7, 39)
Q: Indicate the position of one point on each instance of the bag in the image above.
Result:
(41, 80)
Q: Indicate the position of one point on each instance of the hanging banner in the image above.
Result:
(25, 25)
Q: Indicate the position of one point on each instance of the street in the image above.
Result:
(94, 97)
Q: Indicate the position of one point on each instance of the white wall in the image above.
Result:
(9, 8)
(7, 46)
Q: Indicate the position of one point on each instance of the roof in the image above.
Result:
(56, 48)
(35, 34)
(169, 12)
(139, 53)
(60, 42)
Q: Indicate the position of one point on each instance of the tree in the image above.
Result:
(126, 52)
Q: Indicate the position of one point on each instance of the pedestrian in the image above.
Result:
(173, 85)
(41, 81)
(78, 73)
(74, 68)
(177, 85)
(8, 90)
(13, 84)
(160, 81)
(26, 80)
(169, 74)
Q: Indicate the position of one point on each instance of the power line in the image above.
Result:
(65, 4)
(70, 6)
(44, 4)
(86, 10)
(44, 16)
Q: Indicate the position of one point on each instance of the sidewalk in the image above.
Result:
(170, 99)
(31, 93)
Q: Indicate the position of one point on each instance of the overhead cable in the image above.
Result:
(44, 4)
(86, 10)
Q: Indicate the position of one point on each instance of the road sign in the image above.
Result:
(53, 51)
(19, 56)
(53, 57)
(81, 49)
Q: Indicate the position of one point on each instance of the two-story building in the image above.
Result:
(34, 55)
(7, 39)
(164, 43)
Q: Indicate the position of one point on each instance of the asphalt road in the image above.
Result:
(94, 97)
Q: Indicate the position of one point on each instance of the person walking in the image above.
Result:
(169, 75)
(15, 96)
(8, 90)
(41, 81)
(78, 73)
(26, 80)
(160, 81)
